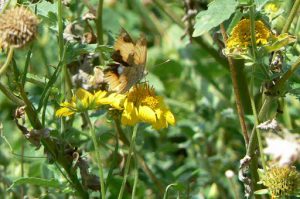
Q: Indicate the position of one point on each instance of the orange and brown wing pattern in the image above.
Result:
(130, 58)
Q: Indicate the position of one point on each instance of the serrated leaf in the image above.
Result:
(217, 12)
(36, 181)
(44, 8)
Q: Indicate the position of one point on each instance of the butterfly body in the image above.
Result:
(130, 59)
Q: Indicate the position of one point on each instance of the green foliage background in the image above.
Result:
(194, 78)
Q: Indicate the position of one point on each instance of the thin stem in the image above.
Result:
(239, 106)
(136, 175)
(291, 17)
(252, 28)
(132, 146)
(10, 95)
(60, 29)
(276, 89)
(23, 79)
(254, 111)
(169, 12)
(140, 159)
(7, 61)
(256, 123)
(98, 156)
(99, 23)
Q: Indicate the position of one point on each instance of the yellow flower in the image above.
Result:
(142, 105)
(115, 100)
(241, 35)
(271, 8)
(81, 101)
(84, 100)
(281, 181)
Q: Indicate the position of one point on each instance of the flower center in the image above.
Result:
(150, 101)
(143, 95)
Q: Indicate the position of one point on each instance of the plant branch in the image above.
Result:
(239, 106)
(98, 157)
(253, 106)
(99, 23)
(291, 17)
(10, 95)
(127, 166)
(7, 61)
(140, 159)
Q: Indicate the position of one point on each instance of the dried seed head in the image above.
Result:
(18, 26)
(281, 181)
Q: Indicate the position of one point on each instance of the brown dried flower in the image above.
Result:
(18, 26)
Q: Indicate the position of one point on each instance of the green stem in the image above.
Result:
(169, 12)
(60, 29)
(136, 175)
(140, 159)
(99, 24)
(10, 95)
(7, 61)
(291, 17)
(281, 82)
(132, 146)
(98, 157)
(256, 123)
(252, 28)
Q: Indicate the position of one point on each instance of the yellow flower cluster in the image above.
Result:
(140, 104)
(241, 35)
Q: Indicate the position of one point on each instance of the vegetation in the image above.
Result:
(149, 99)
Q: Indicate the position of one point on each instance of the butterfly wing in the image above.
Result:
(131, 57)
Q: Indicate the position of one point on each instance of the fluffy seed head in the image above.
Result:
(18, 26)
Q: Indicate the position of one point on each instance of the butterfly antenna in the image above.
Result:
(167, 61)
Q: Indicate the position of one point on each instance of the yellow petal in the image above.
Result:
(170, 117)
(129, 115)
(146, 114)
(129, 118)
(82, 94)
(100, 94)
(64, 112)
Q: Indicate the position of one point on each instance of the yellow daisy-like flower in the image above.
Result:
(84, 100)
(241, 35)
(142, 105)
(81, 101)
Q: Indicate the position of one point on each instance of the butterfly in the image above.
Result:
(129, 67)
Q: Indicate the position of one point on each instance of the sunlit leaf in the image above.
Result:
(36, 181)
(218, 11)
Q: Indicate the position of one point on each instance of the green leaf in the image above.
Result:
(75, 50)
(36, 181)
(281, 41)
(217, 12)
(44, 7)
